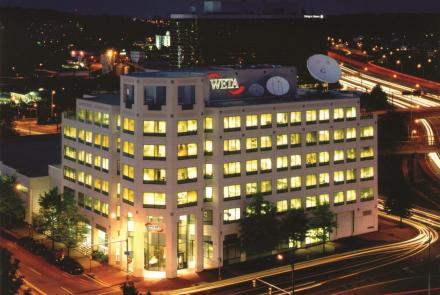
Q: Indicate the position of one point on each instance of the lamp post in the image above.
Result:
(52, 93)
(429, 264)
(280, 257)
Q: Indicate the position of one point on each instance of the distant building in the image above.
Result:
(163, 40)
(137, 56)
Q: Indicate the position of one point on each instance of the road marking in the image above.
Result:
(66, 290)
(37, 272)
(35, 288)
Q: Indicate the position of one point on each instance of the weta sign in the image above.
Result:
(224, 83)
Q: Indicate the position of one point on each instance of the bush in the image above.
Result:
(99, 256)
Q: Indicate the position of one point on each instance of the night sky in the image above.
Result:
(164, 7)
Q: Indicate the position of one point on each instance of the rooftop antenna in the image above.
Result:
(324, 69)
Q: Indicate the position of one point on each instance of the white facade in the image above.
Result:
(168, 173)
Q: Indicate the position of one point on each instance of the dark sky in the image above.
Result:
(165, 7)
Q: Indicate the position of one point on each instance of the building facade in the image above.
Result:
(165, 170)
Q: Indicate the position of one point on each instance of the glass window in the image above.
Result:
(97, 140)
(282, 185)
(338, 198)
(311, 180)
(323, 136)
(282, 206)
(118, 121)
(186, 95)
(128, 149)
(350, 175)
(311, 138)
(232, 123)
(282, 119)
(338, 114)
(311, 116)
(154, 200)
(208, 171)
(186, 127)
(128, 95)
(350, 113)
(338, 135)
(251, 121)
(231, 192)
(231, 169)
(105, 120)
(154, 175)
(105, 164)
(295, 182)
(186, 198)
(367, 152)
(295, 118)
(69, 132)
(350, 154)
(367, 132)
(128, 126)
(207, 147)
(128, 195)
(324, 179)
(208, 194)
(311, 202)
(295, 139)
(186, 174)
(118, 144)
(282, 140)
(154, 152)
(128, 172)
(251, 167)
(69, 173)
(88, 137)
(338, 156)
(155, 95)
(69, 153)
(282, 163)
(265, 120)
(231, 215)
(97, 118)
(208, 124)
(97, 162)
(310, 159)
(367, 194)
(186, 150)
(266, 165)
(231, 146)
(295, 161)
(266, 142)
(266, 186)
(367, 173)
(155, 128)
(295, 203)
(338, 177)
(251, 144)
(350, 134)
(351, 196)
(324, 158)
(324, 115)
(251, 189)
(324, 199)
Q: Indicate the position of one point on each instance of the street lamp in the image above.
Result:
(280, 257)
(52, 93)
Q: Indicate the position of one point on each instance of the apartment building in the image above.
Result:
(165, 169)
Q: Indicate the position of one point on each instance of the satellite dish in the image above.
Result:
(256, 90)
(324, 68)
(277, 85)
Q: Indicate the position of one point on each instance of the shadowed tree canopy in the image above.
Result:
(10, 280)
(375, 100)
(323, 220)
(294, 225)
(11, 205)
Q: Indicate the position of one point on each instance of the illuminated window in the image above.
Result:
(118, 144)
(251, 167)
(251, 189)
(282, 119)
(265, 120)
(155, 200)
(251, 121)
(97, 162)
(338, 114)
(97, 118)
(104, 187)
(367, 153)
(69, 132)
(208, 194)
(251, 144)
(311, 138)
(367, 173)
(282, 141)
(338, 156)
(81, 156)
(185, 199)
(105, 164)
(350, 154)
(81, 177)
(367, 194)
(104, 209)
(350, 175)
(282, 206)
(105, 121)
(282, 163)
(323, 136)
(310, 116)
(324, 179)
(69, 153)
(88, 159)
(324, 158)
(351, 196)
(69, 173)
(324, 199)
(231, 215)
(350, 113)
(208, 124)
(266, 187)
(97, 184)
(81, 115)
(88, 137)
(186, 174)
(310, 159)
(154, 128)
(207, 147)
(128, 126)
(231, 192)
(338, 135)
(118, 121)
(295, 183)
(208, 171)
(186, 151)
(311, 202)
(324, 115)
(231, 146)
(295, 118)
(350, 134)
(266, 165)
(338, 199)
(97, 140)
(96, 205)
(154, 152)
(232, 123)
(128, 172)
(128, 149)
(295, 161)
(105, 142)
(295, 203)
(311, 181)
(338, 177)
(186, 127)
(154, 176)
(88, 202)
(81, 135)
(367, 132)
(266, 143)
(128, 195)
(231, 169)
(88, 180)
(282, 185)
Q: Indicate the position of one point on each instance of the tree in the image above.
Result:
(11, 205)
(323, 220)
(10, 280)
(49, 219)
(375, 100)
(398, 201)
(259, 227)
(7, 114)
(128, 288)
(294, 225)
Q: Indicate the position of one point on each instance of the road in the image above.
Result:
(30, 127)
(46, 279)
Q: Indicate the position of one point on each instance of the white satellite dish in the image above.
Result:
(277, 85)
(256, 89)
(324, 68)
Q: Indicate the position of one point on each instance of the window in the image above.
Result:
(81, 135)
(295, 183)
(367, 153)
(207, 147)
(81, 115)
(323, 136)
(231, 192)
(88, 180)
(105, 164)
(282, 206)
(266, 187)
(155, 200)
(89, 116)
(186, 95)
(338, 199)
(338, 156)
(81, 177)
(186, 127)
(295, 203)
(154, 152)
(310, 159)
(295, 161)
(128, 126)
(69, 173)
(251, 144)
(69, 153)
(208, 194)
(208, 124)
(88, 202)
(105, 142)
(338, 114)
(350, 154)
(266, 143)
(88, 159)
(128, 195)
(155, 128)
(251, 189)
(282, 141)
(88, 137)
(128, 149)
(104, 209)
(232, 123)
(282, 185)
(128, 172)
(295, 118)
(208, 171)
(97, 140)
(350, 113)
(251, 122)
(97, 118)
(367, 194)
(97, 162)
(81, 156)
(282, 163)
(367, 132)
(367, 173)
(96, 205)
(231, 169)
(154, 176)
(265, 120)
(185, 199)
(69, 132)
(118, 122)
(231, 146)
(231, 215)
(282, 119)
(105, 122)
(187, 151)
(311, 138)
(324, 115)
(104, 187)
(207, 217)
(351, 196)
(266, 165)
(311, 202)
(338, 177)
(155, 96)
(186, 174)
(324, 199)
(324, 158)
(310, 116)
(311, 181)
(350, 175)
(128, 95)
(251, 167)
(324, 179)
(350, 134)
(118, 144)
(338, 135)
